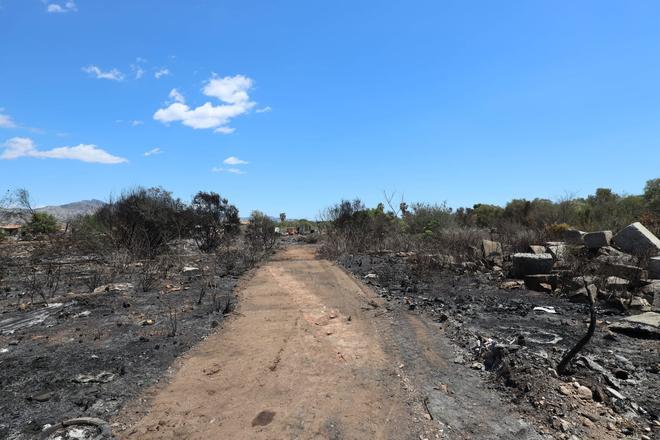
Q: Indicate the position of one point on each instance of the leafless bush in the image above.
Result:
(97, 275)
(260, 234)
(43, 273)
(352, 228)
(231, 260)
(220, 303)
(460, 243)
(150, 271)
(205, 281)
(517, 238)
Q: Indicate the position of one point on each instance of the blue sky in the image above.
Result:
(457, 101)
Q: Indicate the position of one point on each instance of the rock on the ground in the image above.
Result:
(613, 255)
(537, 249)
(541, 282)
(582, 294)
(644, 325)
(557, 249)
(114, 287)
(626, 271)
(656, 302)
(639, 303)
(599, 239)
(574, 236)
(531, 264)
(616, 284)
(651, 289)
(654, 268)
(637, 240)
(492, 251)
(584, 392)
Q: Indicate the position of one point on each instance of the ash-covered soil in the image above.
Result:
(614, 385)
(87, 354)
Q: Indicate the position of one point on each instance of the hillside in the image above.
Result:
(60, 212)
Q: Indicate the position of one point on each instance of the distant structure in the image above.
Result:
(11, 230)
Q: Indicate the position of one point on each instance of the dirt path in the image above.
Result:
(313, 354)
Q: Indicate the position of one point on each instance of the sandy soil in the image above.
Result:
(311, 353)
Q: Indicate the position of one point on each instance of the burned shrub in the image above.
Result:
(260, 233)
(214, 220)
(43, 274)
(350, 227)
(143, 221)
(461, 243)
(90, 237)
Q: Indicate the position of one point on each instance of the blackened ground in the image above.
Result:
(94, 352)
(518, 347)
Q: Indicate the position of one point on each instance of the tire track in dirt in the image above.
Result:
(313, 354)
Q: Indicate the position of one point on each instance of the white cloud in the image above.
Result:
(233, 160)
(161, 72)
(25, 147)
(136, 122)
(153, 151)
(227, 170)
(266, 109)
(176, 96)
(232, 91)
(58, 8)
(6, 121)
(138, 71)
(113, 74)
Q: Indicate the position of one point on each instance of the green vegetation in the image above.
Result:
(260, 233)
(41, 223)
(351, 227)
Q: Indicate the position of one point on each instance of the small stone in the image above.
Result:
(477, 366)
(584, 393)
(565, 390)
(588, 423)
(43, 397)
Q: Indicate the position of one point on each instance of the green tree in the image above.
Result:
(487, 215)
(652, 196)
(260, 232)
(41, 223)
(429, 219)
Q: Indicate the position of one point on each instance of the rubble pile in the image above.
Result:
(514, 315)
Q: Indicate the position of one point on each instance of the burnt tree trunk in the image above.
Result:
(561, 368)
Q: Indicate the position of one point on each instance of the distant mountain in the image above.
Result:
(71, 210)
(62, 213)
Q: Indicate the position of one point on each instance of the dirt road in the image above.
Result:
(313, 354)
